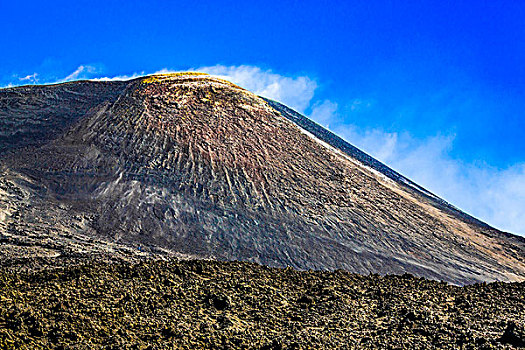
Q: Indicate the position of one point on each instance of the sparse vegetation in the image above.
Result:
(160, 77)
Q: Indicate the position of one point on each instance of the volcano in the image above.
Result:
(191, 166)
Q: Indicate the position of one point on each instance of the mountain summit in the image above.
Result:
(190, 165)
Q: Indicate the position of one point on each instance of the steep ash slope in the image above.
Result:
(336, 142)
(31, 115)
(196, 166)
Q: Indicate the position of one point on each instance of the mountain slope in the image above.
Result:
(191, 165)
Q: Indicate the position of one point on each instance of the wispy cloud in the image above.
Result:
(83, 71)
(295, 91)
(120, 77)
(325, 112)
(496, 196)
(359, 104)
(32, 78)
(92, 72)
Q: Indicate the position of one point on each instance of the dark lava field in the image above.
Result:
(200, 304)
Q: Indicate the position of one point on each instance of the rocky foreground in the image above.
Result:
(206, 304)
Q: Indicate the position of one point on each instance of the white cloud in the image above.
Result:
(296, 92)
(33, 78)
(324, 112)
(119, 77)
(167, 71)
(81, 72)
(496, 196)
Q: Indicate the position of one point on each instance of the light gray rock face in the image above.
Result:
(193, 166)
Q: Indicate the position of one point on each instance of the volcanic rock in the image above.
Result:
(238, 305)
(188, 165)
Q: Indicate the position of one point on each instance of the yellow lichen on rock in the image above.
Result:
(167, 76)
(160, 77)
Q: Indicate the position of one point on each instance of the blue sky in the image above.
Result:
(436, 89)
